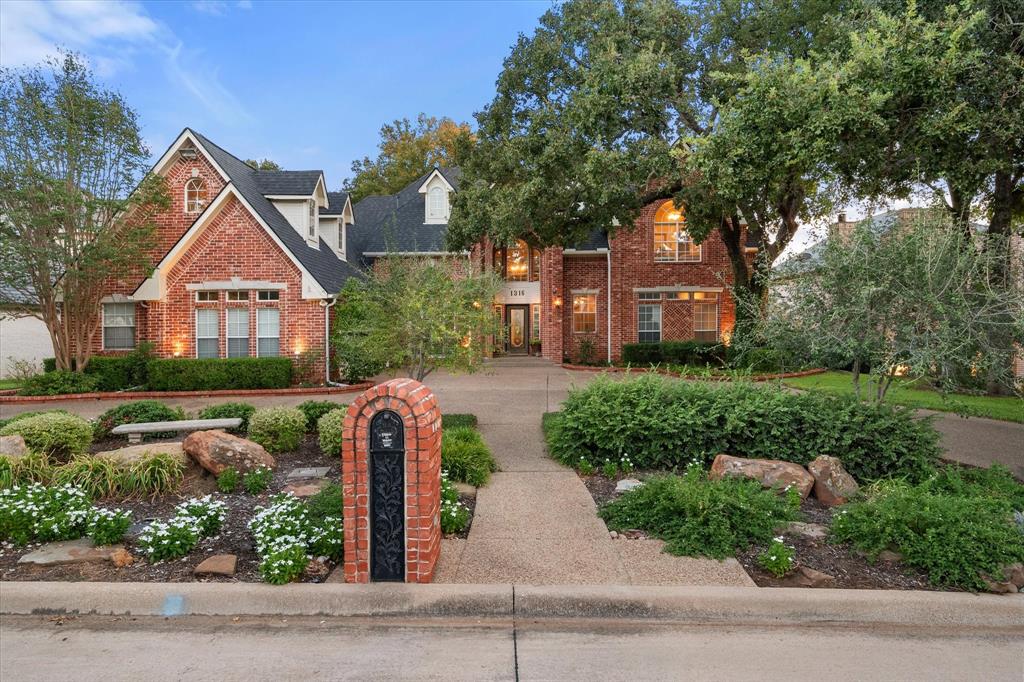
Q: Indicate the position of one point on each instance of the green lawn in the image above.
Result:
(903, 393)
(9, 383)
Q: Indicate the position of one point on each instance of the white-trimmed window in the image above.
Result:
(311, 232)
(206, 296)
(268, 332)
(672, 243)
(649, 323)
(437, 203)
(268, 295)
(238, 332)
(584, 313)
(234, 296)
(195, 195)
(649, 295)
(118, 326)
(705, 315)
(207, 333)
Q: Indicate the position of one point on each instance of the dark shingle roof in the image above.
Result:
(12, 296)
(336, 203)
(287, 183)
(597, 239)
(329, 270)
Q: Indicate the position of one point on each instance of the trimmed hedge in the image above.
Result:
(662, 424)
(278, 429)
(675, 353)
(115, 372)
(54, 434)
(58, 383)
(191, 374)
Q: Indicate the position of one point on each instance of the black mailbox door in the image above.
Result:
(387, 498)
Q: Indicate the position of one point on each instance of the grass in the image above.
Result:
(903, 392)
(6, 384)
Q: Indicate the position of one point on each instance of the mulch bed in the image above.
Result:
(840, 560)
(234, 537)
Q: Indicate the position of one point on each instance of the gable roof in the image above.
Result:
(288, 183)
(336, 203)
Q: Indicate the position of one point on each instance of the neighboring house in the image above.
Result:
(23, 338)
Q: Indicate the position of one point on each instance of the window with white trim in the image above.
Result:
(195, 195)
(238, 332)
(268, 295)
(705, 315)
(535, 327)
(118, 326)
(649, 295)
(649, 323)
(238, 296)
(437, 203)
(268, 332)
(207, 333)
(584, 313)
(206, 296)
(311, 232)
(672, 242)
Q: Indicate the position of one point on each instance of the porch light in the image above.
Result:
(298, 348)
(557, 302)
(178, 346)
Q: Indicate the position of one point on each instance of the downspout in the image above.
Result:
(609, 256)
(327, 342)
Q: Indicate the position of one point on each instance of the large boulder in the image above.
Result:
(215, 451)
(13, 446)
(133, 453)
(770, 473)
(832, 484)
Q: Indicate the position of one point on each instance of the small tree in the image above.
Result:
(419, 314)
(74, 215)
(263, 164)
(916, 300)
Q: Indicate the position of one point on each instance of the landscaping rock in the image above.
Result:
(218, 564)
(627, 484)
(13, 446)
(215, 451)
(889, 556)
(465, 489)
(72, 552)
(1015, 574)
(814, 531)
(832, 484)
(133, 453)
(305, 488)
(770, 473)
(999, 586)
(307, 472)
(316, 568)
(121, 557)
(808, 577)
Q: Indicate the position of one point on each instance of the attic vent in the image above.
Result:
(187, 153)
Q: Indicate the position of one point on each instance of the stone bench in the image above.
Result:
(135, 431)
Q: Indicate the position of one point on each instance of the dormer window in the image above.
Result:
(311, 234)
(195, 195)
(437, 204)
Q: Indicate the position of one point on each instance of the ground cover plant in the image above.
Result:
(243, 411)
(778, 559)
(100, 477)
(138, 412)
(454, 514)
(662, 423)
(450, 421)
(278, 429)
(108, 526)
(193, 520)
(228, 480)
(911, 393)
(465, 456)
(257, 480)
(696, 516)
(286, 534)
(59, 435)
(38, 513)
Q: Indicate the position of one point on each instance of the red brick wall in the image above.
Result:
(416, 405)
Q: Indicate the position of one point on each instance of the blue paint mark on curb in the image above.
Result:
(174, 605)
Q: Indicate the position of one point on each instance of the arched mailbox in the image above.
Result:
(391, 481)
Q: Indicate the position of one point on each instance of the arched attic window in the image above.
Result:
(672, 243)
(195, 195)
(437, 203)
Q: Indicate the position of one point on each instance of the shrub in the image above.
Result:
(55, 434)
(153, 474)
(243, 411)
(257, 480)
(451, 421)
(108, 527)
(42, 514)
(586, 351)
(26, 415)
(115, 372)
(99, 477)
(34, 467)
(954, 537)
(762, 361)
(466, 457)
(326, 504)
(206, 513)
(228, 480)
(699, 517)
(6, 472)
(162, 540)
(192, 374)
(663, 423)
(778, 559)
(314, 409)
(330, 429)
(59, 382)
(996, 482)
(454, 514)
(138, 412)
(641, 353)
(278, 429)
(694, 353)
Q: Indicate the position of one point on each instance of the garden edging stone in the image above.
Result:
(136, 395)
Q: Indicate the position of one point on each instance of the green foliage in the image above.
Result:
(115, 372)
(207, 514)
(154, 474)
(675, 352)
(278, 429)
(451, 421)
(466, 457)
(287, 531)
(778, 559)
(193, 520)
(138, 412)
(257, 480)
(58, 435)
(326, 504)
(107, 527)
(699, 517)
(951, 528)
(586, 350)
(662, 423)
(454, 514)
(330, 428)
(99, 477)
(228, 480)
(314, 409)
(35, 513)
(243, 411)
(210, 374)
(35, 467)
(610, 469)
(59, 382)
(996, 482)
(26, 415)
(6, 472)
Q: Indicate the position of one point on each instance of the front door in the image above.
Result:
(517, 329)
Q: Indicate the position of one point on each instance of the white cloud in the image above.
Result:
(218, 7)
(112, 35)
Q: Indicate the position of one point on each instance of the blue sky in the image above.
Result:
(307, 84)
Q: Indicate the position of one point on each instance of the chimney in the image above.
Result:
(842, 218)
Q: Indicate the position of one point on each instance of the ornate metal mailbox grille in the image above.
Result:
(387, 497)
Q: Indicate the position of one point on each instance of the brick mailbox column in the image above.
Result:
(391, 480)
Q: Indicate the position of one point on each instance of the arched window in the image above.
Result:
(438, 203)
(195, 195)
(518, 263)
(672, 243)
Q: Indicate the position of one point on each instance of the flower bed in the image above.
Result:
(709, 376)
(122, 395)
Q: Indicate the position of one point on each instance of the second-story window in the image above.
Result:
(312, 220)
(518, 263)
(437, 204)
(195, 195)
(672, 243)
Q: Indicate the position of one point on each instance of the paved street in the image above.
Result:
(274, 648)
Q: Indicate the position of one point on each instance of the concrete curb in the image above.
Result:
(12, 398)
(721, 605)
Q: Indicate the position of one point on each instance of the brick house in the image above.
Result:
(248, 263)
